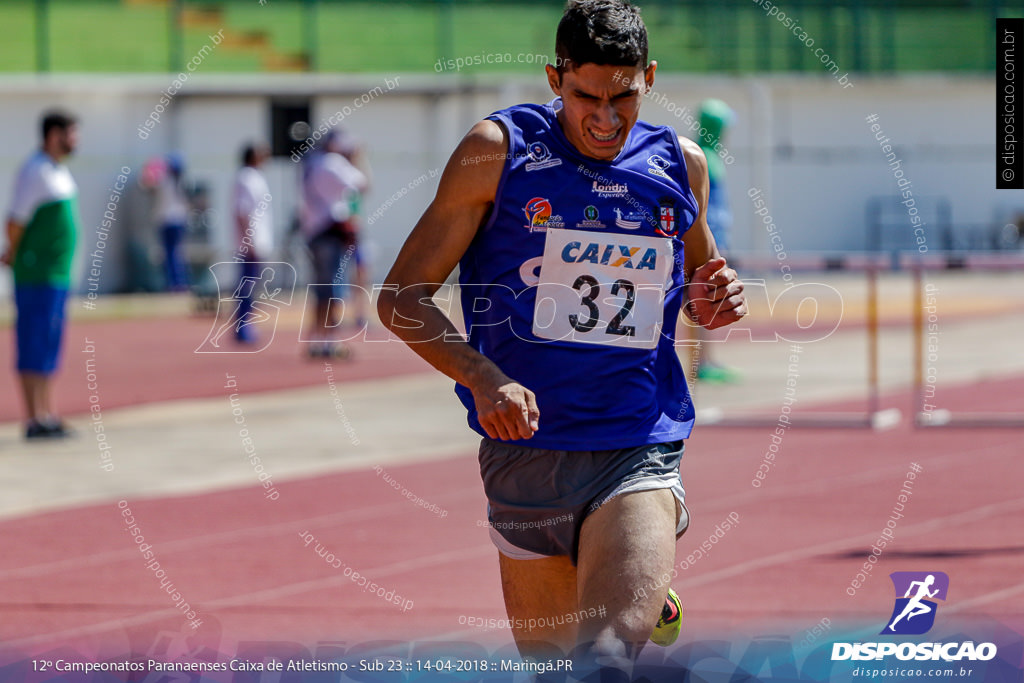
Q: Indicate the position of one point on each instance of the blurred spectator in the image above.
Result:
(330, 184)
(166, 178)
(715, 118)
(254, 229)
(352, 150)
(42, 228)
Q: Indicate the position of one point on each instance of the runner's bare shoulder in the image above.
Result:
(475, 167)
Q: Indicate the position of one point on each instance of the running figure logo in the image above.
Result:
(254, 303)
(914, 613)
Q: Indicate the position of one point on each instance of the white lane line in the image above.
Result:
(397, 507)
(712, 505)
(962, 605)
(248, 599)
(845, 480)
(789, 556)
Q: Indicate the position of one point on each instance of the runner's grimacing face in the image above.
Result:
(600, 104)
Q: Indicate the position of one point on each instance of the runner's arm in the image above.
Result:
(465, 195)
(715, 292)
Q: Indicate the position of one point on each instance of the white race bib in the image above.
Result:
(601, 288)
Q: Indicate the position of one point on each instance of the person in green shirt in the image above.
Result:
(715, 118)
(42, 228)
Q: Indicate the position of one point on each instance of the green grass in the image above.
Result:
(507, 31)
(363, 36)
(924, 42)
(17, 37)
(282, 24)
(107, 37)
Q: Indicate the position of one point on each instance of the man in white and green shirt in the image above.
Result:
(42, 228)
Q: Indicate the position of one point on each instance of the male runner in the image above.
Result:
(42, 228)
(575, 226)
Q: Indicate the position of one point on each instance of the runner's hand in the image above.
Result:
(716, 295)
(506, 409)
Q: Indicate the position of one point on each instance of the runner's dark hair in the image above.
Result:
(603, 32)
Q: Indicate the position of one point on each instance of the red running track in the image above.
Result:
(150, 360)
(154, 359)
(74, 578)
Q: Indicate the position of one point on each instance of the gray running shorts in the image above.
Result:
(537, 499)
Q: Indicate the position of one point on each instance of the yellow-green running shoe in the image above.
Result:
(670, 623)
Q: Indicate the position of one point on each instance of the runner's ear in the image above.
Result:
(554, 79)
(649, 74)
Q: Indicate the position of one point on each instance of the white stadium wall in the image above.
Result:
(803, 141)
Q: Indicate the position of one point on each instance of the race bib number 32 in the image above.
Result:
(600, 288)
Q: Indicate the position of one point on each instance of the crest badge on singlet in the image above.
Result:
(591, 218)
(657, 165)
(540, 216)
(668, 224)
(540, 157)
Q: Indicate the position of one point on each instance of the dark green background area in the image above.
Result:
(732, 36)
